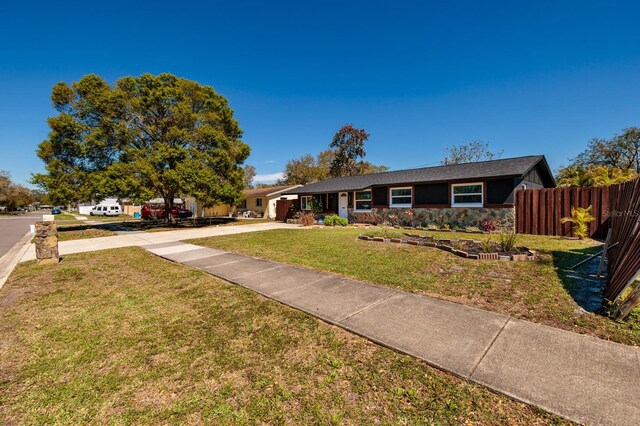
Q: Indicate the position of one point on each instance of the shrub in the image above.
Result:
(580, 217)
(333, 220)
(392, 220)
(306, 219)
(488, 226)
(508, 241)
(408, 218)
(316, 206)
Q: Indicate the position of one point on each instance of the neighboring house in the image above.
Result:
(263, 200)
(199, 210)
(459, 194)
(129, 207)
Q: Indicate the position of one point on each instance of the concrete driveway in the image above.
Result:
(146, 238)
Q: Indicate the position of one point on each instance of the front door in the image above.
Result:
(343, 204)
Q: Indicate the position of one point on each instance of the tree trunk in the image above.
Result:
(168, 207)
(627, 305)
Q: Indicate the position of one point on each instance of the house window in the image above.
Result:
(362, 200)
(305, 202)
(400, 197)
(466, 195)
(258, 202)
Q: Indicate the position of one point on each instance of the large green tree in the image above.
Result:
(307, 169)
(604, 161)
(146, 136)
(620, 151)
(13, 195)
(348, 151)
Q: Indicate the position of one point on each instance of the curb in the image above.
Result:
(9, 261)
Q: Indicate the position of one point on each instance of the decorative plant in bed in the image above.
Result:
(503, 247)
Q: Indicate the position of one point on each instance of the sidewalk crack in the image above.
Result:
(257, 272)
(377, 302)
(486, 351)
(223, 264)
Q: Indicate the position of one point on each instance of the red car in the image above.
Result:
(157, 211)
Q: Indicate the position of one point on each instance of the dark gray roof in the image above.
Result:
(506, 167)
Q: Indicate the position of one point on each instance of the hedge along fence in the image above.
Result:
(538, 211)
(624, 259)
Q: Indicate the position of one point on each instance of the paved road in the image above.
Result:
(12, 228)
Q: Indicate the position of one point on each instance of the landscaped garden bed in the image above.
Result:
(505, 249)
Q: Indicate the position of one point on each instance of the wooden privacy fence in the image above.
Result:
(624, 217)
(538, 211)
(283, 209)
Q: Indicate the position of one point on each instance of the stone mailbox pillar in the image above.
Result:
(47, 243)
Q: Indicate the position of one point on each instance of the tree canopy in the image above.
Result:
(593, 176)
(13, 195)
(307, 169)
(473, 151)
(146, 136)
(604, 161)
(344, 157)
(621, 151)
(348, 151)
(249, 174)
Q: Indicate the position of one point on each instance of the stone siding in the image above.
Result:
(504, 218)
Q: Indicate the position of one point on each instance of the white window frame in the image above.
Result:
(400, 205)
(355, 201)
(304, 200)
(481, 193)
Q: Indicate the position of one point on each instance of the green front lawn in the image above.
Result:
(124, 337)
(119, 218)
(64, 217)
(538, 291)
(81, 234)
(186, 224)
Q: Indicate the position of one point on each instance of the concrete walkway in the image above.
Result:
(145, 238)
(581, 378)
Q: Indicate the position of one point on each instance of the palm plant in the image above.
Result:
(580, 217)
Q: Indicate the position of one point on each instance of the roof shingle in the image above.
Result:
(479, 170)
(263, 192)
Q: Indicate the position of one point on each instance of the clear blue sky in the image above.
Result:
(418, 76)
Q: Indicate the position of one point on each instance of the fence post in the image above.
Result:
(629, 303)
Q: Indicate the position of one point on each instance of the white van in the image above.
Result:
(106, 210)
